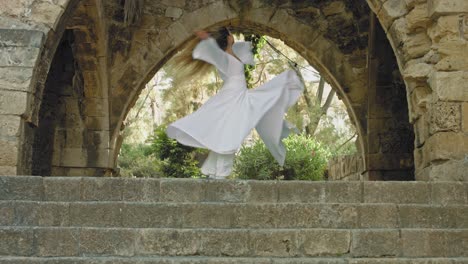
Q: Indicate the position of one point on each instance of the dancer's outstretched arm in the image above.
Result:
(209, 51)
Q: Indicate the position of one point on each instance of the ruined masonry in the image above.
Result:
(114, 220)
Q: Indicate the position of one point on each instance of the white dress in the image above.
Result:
(226, 119)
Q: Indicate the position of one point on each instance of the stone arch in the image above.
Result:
(422, 35)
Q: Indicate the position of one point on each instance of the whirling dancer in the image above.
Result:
(226, 119)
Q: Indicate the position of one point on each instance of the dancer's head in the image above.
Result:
(188, 66)
(223, 37)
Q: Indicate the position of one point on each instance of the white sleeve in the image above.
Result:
(209, 51)
(243, 50)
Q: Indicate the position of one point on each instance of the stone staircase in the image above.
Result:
(140, 221)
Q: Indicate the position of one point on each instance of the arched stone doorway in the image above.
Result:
(116, 59)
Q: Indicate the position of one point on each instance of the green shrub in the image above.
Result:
(306, 159)
(177, 160)
(138, 161)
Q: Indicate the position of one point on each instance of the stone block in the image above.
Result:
(101, 189)
(167, 242)
(378, 216)
(423, 243)
(54, 242)
(10, 125)
(418, 17)
(375, 243)
(331, 242)
(18, 56)
(391, 10)
(219, 215)
(13, 102)
(62, 188)
(21, 188)
(226, 191)
(113, 242)
(445, 117)
(335, 7)
(96, 214)
(416, 216)
(274, 243)
(396, 192)
(441, 7)
(451, 170)
(343, 192)
(445, 146)
(450, 86)
(16, 78)
(21, 38)
(7, 213)
(141, 189)
(233, 242)
(446, 30)
(337, 216)
(97, 122)
(16, 241)
(47, 13)
(301, 192)
(53, 214)
(155, 215)
(465, 117)
(177, 3)
(173, 12)
(9, 152)
(421, 130)
(444, 193)
(267, 191)
(8, 170)
(417, 71)
(182, 190)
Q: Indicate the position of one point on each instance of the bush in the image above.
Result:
(177, 160)
(138, 161)
(306, 159)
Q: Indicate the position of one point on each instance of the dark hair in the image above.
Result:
(221, 36)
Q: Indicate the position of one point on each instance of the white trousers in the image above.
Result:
(218, 165)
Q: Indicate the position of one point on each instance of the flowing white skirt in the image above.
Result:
(226, 119)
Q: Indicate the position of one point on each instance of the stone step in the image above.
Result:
(127, 242)
(231, 215)
(234, 191)
(226, 260)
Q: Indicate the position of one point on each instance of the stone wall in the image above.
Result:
(428, 39)
(346, 168)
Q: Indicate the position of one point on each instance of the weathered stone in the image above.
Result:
(96, 214)
(451, 170)
(444, 193)
(182, 190)
(274, 243)
(53, 214)
(417, 18)
(177, 3)
(15, 78)
(227, 243)
(344, 192)
(162, 242)
(8, 170)
(9, 152)
(21, 188)
(62, 189)
(422, 216)
(265, 191)
(446, 28)
(115, 242)
(46, 13)
(21, 38)
(141, 189)
(423, 243)
(444, 146)
(16, 241)
(334, 8)
(421, 130)
(375, 243)
(149, 215)
(417, 71)
(231, 191)
(174, 12)
(441, 7)
(325, 242)
(391, 10)
(396, 192)
(465, 117)
(51, 242)
(296, 191)
(445, 117)
(101, 189)
(13, 102)
(378, 216)
(18, 56)
(450, 86)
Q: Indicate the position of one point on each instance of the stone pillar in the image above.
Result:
(19, 51)
(442, 124)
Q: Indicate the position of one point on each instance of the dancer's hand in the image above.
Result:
(202, 34)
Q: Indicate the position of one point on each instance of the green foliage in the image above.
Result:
(306, 159)
(177, 160)
(137, 160)
(258, 42)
